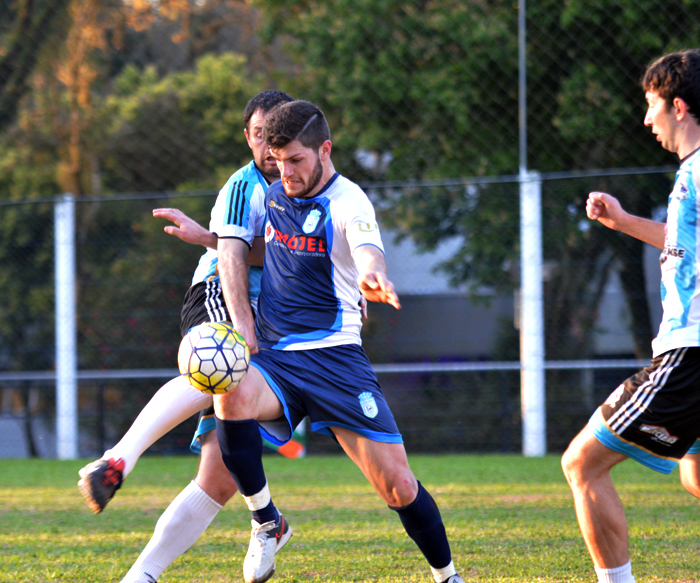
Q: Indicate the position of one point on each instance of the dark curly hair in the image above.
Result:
(266, 101)
(676, 75)
(298, 120)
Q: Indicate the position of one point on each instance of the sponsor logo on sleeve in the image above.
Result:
(277, 206)
(368, 227)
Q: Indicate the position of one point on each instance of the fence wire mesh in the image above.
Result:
(99, 98)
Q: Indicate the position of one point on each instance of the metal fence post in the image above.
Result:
(66, 330)
(532, 316)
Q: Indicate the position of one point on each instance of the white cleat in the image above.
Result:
(265, 540)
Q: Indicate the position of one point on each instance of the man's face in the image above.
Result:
(662, 121)
(300, 169)
(261, 153)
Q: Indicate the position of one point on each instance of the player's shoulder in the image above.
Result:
(693, 166)
(276, 188)
(345, 189)
(245, 179)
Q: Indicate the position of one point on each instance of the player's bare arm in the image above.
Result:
(372, 279)
(606, 209)
(187, 229)
(190, 231)
(257, 252)
(233, 272)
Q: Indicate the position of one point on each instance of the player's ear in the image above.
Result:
(324, 151)
(680, 108)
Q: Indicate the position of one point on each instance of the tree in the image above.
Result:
(182, 131)
(434, 85)
(431, 83)
(25, 30)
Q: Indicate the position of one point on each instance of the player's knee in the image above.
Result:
(212, 475)
(237, 404)
(571, 465)
(219, 488)
(401, 490)
(691, 482)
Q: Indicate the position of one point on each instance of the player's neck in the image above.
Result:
(690, 141)
(328, 173)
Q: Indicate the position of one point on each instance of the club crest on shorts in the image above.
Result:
(311, 221)
(369, 405)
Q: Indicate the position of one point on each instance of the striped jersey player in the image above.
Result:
(238, 212)
(652, 417)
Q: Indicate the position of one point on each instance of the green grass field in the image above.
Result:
(508, 518)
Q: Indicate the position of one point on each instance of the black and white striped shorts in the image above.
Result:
(204, 302)
(658, 409)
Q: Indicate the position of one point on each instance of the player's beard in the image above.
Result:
(314, 179)
(271, 173)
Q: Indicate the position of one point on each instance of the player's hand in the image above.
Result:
(606, 209)
(189, 230)
(375, 287)
(248, 333)
(363, 307)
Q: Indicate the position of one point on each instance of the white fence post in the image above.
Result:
(532, 384)
(66, 330)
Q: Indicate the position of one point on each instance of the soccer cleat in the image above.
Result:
(265, 540)
(99, 481)
(453, 579)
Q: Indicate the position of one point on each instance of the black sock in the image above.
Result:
(241, 450)
(267, 514)
(423, 523)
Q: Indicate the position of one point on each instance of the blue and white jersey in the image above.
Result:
(680, 273)
(309, 296)
(239, 212)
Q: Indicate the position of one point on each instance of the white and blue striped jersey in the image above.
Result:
(680, 275)
(239, 211)
(309, 296)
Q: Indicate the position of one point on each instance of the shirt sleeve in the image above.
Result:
(233, 211)
(361, 227)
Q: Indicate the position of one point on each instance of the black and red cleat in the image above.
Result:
(99, 480)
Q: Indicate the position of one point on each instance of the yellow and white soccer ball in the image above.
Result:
(214, 357)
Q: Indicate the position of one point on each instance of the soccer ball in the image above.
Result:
(214, 357)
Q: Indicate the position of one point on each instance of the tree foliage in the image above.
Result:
(147, 96)
(26, 28)
(91, 123)
(434, 84)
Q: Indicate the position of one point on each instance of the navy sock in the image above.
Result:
(241, 450)
(267, 514)
(423, 523)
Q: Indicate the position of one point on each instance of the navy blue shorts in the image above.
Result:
(335, 387)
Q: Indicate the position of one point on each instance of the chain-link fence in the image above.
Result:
(448, 361)
(98, 98)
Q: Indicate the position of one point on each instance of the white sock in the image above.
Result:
(617, 575)
(182, 523)
(445, 573)
(175, 402)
